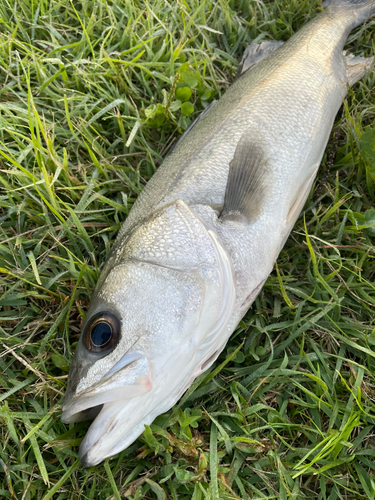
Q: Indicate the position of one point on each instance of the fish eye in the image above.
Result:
(102, 332)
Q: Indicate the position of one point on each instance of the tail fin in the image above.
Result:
(360, 10)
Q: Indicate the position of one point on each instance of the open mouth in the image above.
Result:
(129, 378)
(88, 414)
(117, 425)
(121, 404)
(114, 403)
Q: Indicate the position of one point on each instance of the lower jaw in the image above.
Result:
(91, 457)
(95, 449)
(86, 462)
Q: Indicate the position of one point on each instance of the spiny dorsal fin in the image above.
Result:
(256, 52)
(247, 180)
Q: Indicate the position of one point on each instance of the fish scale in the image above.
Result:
(205, 232)
(254, 99)
(184, 240)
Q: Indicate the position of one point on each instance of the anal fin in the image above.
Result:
(356, 67)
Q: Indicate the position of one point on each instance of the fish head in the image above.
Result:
(147, 335)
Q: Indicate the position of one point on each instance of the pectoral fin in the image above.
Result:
(247, 180)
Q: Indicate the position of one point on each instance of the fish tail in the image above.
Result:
(355, 10)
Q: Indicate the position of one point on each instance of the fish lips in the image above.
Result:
(120, 423)
(121, 412)
(129, 378)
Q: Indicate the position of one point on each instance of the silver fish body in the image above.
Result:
(205, 232)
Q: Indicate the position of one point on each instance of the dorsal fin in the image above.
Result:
(247, 180)
(256, 52)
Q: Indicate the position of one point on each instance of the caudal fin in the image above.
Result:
(358, 10)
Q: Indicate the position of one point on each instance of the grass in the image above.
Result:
(92, 96)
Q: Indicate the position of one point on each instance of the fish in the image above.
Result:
(205, 232)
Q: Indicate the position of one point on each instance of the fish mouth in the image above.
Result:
(129, 378)
(116, 427)
(120, 422)
(120, 412)
(107, 403)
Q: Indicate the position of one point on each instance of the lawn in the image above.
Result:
(93, 95)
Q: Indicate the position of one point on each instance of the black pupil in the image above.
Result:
(101, 333)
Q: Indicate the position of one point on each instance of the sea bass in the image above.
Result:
(204, 234)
